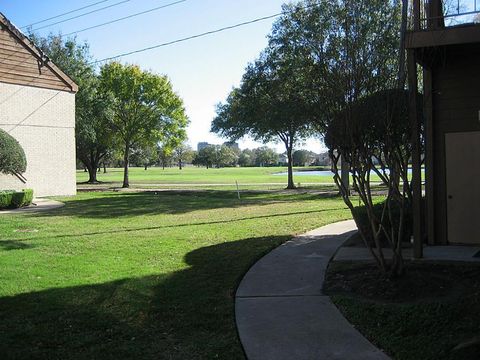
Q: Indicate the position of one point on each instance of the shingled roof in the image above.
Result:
(23, 63)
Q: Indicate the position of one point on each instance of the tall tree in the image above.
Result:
(165, 155)
(270, 104)
(146, 109)
(265, 156)
(182, 153)
(93, 115)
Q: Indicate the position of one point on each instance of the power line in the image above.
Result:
(63, 14)
(126, 17)
(188, 38)
(81, 15)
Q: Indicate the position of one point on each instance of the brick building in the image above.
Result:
(37, 107)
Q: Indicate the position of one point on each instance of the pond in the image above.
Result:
(318, 173)
(308, 173)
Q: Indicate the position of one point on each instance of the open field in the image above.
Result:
(140, 275)
(257, 178)
(224, 177)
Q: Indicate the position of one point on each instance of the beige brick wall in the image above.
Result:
(43, 122)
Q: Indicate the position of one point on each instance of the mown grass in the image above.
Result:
(432, 313)
(140, 275)
(196, 175)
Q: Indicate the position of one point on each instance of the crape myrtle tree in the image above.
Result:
(93, 113)
(272, 102)
(145, 108)
(357, 53)
(377, 141)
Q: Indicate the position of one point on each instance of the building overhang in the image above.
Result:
(455, 35)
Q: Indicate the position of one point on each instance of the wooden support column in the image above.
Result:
(416, 155)
(429, 156)
(416, 15)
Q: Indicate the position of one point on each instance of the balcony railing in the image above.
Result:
(434, 14)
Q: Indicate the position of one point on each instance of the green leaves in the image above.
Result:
(146, 109)
(12, 156)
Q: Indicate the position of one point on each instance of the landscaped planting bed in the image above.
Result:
(432, 313)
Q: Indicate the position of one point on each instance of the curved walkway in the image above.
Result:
(39, 204)
(281, 311)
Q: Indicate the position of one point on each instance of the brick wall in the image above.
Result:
(43, 122)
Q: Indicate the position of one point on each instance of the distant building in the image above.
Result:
(232, 144)
(323, 159)
(202, 145)
(282, 159)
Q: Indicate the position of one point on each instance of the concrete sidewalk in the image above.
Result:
(281, 311)
(38, 204)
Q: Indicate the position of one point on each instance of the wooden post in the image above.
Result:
(345, 174)
(429, 156)
(238, 190)
(416, 15)
(416, 155)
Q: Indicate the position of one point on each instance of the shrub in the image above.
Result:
(22, 198)
(12, 156)
(10, 199)
(363, 222)
(6, 198)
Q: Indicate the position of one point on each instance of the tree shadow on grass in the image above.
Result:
(7, 245)
(188, 314)
(114, 205)
(160, 227)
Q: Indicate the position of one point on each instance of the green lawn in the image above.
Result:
(432, 313)
(140, 275)
(195, 175)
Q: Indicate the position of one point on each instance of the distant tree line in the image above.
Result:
(214, 156)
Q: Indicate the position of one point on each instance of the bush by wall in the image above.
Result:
(10, 199)
(361, 216)
(12, 156)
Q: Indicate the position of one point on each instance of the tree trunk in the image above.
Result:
(92, 174)
(345, 174)
(180, 164)
(290, 185)
(126, 158)
(104, 168)
(145, 167)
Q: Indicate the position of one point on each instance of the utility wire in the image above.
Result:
(84, 14)
(187, 38)
(66, 13)
(126, 17)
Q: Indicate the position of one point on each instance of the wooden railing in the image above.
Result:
(434, 14)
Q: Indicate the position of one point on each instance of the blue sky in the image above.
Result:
(202, 71)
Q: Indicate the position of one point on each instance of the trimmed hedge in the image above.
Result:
(6, 199)
(11, 199)
(360, 214)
